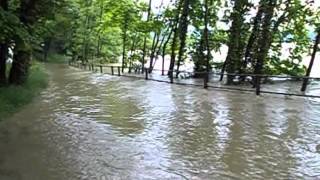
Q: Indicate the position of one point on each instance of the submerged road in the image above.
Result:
(98, 127)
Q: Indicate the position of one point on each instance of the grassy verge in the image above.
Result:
(12, 98)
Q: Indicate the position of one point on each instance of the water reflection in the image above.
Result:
(91, 126)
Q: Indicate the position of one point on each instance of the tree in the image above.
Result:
(264, 41)
(145, 39)
(313, 56)
(23, 51)
(236, 42)
(179, 4)
(3, 48)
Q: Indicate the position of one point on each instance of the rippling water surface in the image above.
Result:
(98, 127)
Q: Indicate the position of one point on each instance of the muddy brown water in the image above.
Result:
(99, 127)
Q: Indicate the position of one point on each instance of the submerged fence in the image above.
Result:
(206, 82)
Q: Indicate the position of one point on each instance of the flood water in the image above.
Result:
(97, 127)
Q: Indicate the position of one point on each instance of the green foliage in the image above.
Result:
(12, 98)
(57, 58)
(98, 30)
(11, 26)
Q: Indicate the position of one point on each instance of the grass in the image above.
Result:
(12, 98)
(57, 58)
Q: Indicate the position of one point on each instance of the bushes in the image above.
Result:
(12, 98)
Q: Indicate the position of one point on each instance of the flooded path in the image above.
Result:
(97, 127)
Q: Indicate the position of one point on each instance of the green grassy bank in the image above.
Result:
(12, 98)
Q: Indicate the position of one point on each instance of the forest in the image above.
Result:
(139, 33)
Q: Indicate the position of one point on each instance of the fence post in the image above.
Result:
(146, 73)
(112, 71)
(258, 85)
(206, 80)
(101, 71)
(119, 71)
(92, 67)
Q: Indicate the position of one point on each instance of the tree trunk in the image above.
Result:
(145, 38)
(174, 40)
(3, 59)
(173, 51)
(133, 47)
(315, 50)
(183, 32)
(265, 39)
(124, 43)
(236, 44)
(3, 51)
(86, 34)
(251, 41)
(164, 50)
(20, 67)
(46, 49)
(22, 57)
(98, 32)
(153, 54)
(206, 39)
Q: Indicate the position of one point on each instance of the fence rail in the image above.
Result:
(117, 71)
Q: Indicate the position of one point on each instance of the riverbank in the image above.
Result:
(12, 98)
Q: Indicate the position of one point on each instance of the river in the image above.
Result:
(88, 126)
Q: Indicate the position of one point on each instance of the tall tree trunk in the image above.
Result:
(124, 36)
(252, 39)
(173, 51)
(98, 32)
(206, 37)
(183, 32)
(86, 34)
(236, 44)
(23, 51)
(164, 47)
(145, 38)
(3, 59)
(315, 50)
(265, 38)
(175, 38)
(153, 54)
(252, 42)
(20, 67)
(132, 49)
(46, 48)
(3, 51)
